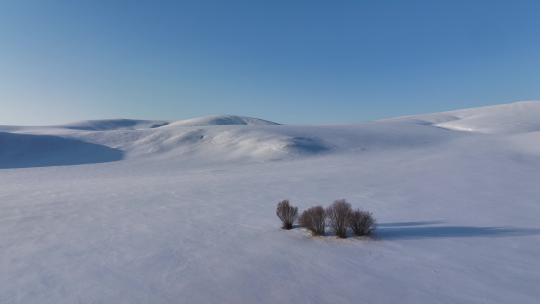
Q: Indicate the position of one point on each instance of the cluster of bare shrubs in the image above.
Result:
(287, 214)
(339, 216)
(313, 219)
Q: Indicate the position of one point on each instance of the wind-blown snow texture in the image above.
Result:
(187, 215)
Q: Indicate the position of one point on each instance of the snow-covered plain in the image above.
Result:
(125, 211)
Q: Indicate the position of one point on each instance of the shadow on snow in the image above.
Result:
(26, 151)
(422, 230)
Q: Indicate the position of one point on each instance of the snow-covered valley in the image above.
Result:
(131, 211)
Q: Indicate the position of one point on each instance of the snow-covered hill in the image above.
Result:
(218, 139)
(114, 124)
(518, 117)
(221, 120)
(124, 211)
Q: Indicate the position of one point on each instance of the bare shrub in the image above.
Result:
(361, 222)
(338, 216)
(287, 214)
(313, 219)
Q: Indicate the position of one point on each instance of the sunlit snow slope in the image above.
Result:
(515, 117)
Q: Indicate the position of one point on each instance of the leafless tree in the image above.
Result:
(338, 216)
(361, 222)
(287, 214)
(314, 219)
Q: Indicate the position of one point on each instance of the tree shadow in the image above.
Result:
(403, 224)
(422, 230)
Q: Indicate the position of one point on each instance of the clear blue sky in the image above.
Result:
(288, 61)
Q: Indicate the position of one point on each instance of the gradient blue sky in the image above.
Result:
(287, 61)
